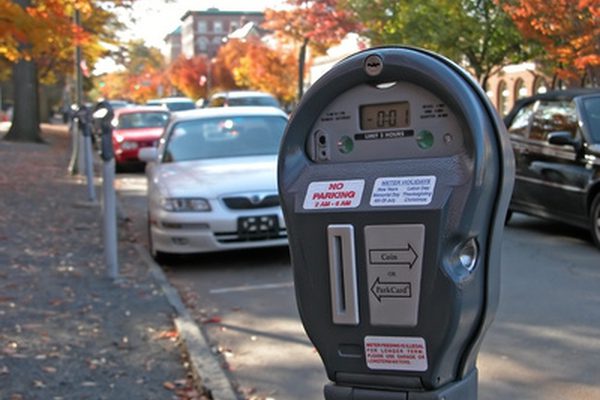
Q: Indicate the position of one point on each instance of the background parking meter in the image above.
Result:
(104, 112)
(395, 175)
(84, 117)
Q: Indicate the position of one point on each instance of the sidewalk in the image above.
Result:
(67, 331)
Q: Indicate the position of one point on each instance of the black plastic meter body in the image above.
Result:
(395, 175)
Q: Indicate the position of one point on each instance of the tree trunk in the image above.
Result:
(26, 121)
(301, 60)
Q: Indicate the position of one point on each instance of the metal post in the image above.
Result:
(76, 164)
(109, 202)
(85, 123)
(74, 130)
(109, 210)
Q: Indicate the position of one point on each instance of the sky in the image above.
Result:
(155, 19)
(158, 18)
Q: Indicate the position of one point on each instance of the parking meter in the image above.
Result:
(104, 112)
(395, 174)
(84, 118)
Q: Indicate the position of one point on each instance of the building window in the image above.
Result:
(539, 86)
(520, 89)
(233, 25)
(202, 44)
(218, 27)
(502, 98)
(202, 27)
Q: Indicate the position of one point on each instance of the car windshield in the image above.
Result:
(180, 106)
(244, 101)
(592, 110)
(224, 137)
(142, 120)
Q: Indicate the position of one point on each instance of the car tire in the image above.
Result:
(158, 256)
(509, 214)
(595, 220)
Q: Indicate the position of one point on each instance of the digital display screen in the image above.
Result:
(385, 115)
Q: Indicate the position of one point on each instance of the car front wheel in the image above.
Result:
(158, 256)
(595, 220)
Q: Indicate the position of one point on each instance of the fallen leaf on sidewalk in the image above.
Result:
(39, 384)
(212, 320)
(49, 370)
(170, 334)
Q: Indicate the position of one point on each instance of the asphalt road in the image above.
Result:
(544, 343)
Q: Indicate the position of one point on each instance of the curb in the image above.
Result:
(206, 368)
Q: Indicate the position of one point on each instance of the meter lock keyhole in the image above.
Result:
(321, 145)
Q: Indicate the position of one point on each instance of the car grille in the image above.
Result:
(234, 237)
(251, 202)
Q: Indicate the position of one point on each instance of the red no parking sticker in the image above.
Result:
(334, 194)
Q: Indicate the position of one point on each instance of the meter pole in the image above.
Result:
(85, 123)
(109, 208)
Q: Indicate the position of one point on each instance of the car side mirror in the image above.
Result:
(148, 154)
(564, 138)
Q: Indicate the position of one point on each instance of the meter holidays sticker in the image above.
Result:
(396, 353)
(403, 191)
(334, 194)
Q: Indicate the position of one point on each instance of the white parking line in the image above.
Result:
(246, 288)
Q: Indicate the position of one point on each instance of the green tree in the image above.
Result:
(141, 75)
(477, 34)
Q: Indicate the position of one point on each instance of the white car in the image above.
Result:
(212, 181)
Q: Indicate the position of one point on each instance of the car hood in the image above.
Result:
(212, 179)
(139, 134)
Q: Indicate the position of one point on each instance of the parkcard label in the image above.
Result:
(396, 353)
(334, 194)
(403, 191)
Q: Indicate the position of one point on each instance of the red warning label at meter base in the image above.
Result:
(396, 353)
(334, 194)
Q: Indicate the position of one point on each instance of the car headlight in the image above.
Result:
(129, 145)
(185, 204)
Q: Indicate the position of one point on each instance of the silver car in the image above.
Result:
(212, 182)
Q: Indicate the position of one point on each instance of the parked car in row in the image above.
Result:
(135, 128)
(212, 181)
(237, 98)
(556, 142)
(173, 103)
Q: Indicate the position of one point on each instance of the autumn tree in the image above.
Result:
(141, 77)
(568, 30)
(310, 23)
(37, 39)
(477, 34)
(226, 62)
(186, 75)
(268, 69)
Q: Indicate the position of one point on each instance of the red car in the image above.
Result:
(135, 128)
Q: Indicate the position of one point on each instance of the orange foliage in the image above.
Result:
(227, 60)
(569, 30)
(323, 23)
(269, 70)
(251, 64)
(186, 75)
(45, 32)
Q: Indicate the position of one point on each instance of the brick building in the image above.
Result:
(202, 32)
(173, 44)
(514, 82)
